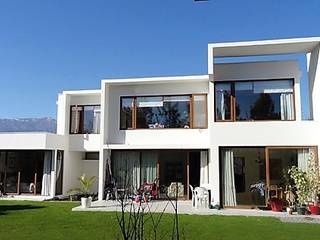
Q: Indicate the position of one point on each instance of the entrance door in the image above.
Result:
(173, 172)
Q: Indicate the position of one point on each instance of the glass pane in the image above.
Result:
(148, 166)
(88, 119)
(173, 173)
(243, 176)
(126, 113)
(96, 119)
(223, 101)
(126, 170)
(75, 119)
(280, 161)
(163, 112)
(199, 111)
(264, 100)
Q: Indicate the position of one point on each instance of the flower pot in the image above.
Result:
(314, 209)
(301, 210)
(289, 210)
(86, 202)
(276, 205)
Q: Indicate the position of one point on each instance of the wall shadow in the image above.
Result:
(5, 209)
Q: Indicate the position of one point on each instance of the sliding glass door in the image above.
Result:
(243, 170)
(132, 168)
(251, 175)
(169, 169)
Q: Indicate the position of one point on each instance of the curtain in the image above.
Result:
(204, 170)
(75, 119)
(108, 167)
(126, 170)
(228, 182)
(274, 86)
(286, 105)
(46, 177)
(303, 159)
(148, 166)
(222, 108)
(96, 120)
(59, 164)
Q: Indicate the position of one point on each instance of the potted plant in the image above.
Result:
(290, 198)
(86, 184)
(302, 188)
(313, 175)
(276, 204)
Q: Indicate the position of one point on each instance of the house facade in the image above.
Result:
(234, 131)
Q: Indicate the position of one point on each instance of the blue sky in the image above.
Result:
(47, 46)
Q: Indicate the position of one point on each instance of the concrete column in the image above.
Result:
(102, 170)
(297, 93)
(214, 175)
(53, 174)
(314, 82)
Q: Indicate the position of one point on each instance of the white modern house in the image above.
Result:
(234, 128)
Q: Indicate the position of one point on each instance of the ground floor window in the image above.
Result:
(26, 172)
(250, 174)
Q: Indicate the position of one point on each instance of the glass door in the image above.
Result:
(173, 177)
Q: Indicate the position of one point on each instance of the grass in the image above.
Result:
(54, 220)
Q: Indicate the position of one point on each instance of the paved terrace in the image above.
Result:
(184, 207)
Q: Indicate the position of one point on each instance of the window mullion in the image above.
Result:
(134, 113)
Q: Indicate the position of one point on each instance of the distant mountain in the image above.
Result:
(28, 125)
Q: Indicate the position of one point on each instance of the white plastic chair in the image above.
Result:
(201, 196)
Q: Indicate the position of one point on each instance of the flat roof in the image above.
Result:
(82, 92)
(31, 141)
(264, 47)
(144, 80)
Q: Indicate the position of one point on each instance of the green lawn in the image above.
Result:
(54, 220)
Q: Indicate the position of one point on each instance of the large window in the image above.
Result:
(154, 112)
(253, 175)
(85, 119)
(255, 100)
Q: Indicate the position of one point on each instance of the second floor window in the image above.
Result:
(85, 119)
(150, 112)
(254, 100)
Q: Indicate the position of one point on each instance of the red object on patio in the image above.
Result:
(276, 205)
(151, 189)
(314, 209)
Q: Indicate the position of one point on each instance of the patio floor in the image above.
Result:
(25, 197)
(184, 207)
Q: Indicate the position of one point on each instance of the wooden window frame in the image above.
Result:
(81, 123)
(206, 110)
(133, 123)
(191, 107)
(233, 101)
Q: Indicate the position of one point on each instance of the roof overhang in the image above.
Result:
(31, 141)
(154, 80)
(263, 47)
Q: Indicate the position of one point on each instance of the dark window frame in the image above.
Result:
(233, 100)
(81, 124)
(134, 111)
(90, 158)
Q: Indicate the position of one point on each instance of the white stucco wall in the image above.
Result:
(91, 168)
(256, 133)
(31, 141)
(158, 138)
(72, 170)
(84, 142)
